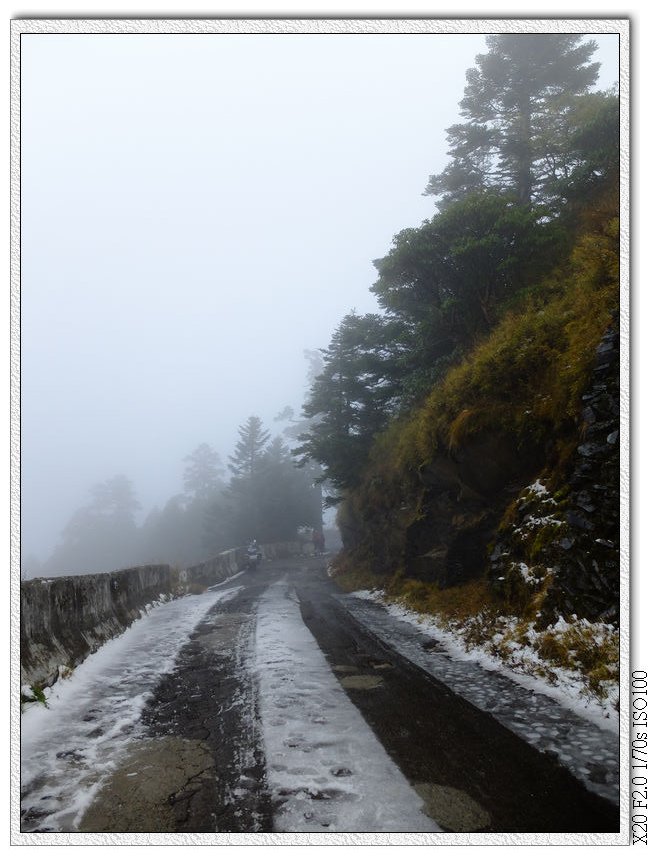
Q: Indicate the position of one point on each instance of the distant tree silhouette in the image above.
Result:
(102, 535)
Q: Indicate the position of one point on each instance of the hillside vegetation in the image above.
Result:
(471, 431)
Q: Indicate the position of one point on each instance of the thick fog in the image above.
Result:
(197, 210)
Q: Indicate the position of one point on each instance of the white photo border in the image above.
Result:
(334, 26)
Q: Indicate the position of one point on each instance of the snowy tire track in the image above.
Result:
(326, 770)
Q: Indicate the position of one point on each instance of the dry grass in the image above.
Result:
(453, 603)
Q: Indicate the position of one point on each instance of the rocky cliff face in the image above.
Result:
(564, 542)
(461, 505)
(489, 506)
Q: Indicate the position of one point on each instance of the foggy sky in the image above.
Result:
(196, 211)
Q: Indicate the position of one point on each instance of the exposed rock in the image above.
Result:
(577, 521)
(575, 539)
(461, 507)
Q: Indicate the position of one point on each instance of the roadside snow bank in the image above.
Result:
(554, 719)
(524, 664)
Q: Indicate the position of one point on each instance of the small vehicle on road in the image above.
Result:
(253, 556)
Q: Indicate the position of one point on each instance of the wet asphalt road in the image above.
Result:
(202, 768)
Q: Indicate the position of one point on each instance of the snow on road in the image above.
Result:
(70, 746)
(326, 770)
(587, 746)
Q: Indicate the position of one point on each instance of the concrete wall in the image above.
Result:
(283, 550)
(65, 619)
(214, 570)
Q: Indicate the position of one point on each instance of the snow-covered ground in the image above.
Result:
(326, 770)
(70, 746)
(554, 719)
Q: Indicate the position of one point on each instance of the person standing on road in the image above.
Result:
(318, 540)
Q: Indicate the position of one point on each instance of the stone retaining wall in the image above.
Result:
(65, 619)
(282, 550)
(214, 570)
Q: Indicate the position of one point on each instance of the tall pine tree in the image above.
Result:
(203, 473)
(253, 438)
(516, 103)
(353, 397)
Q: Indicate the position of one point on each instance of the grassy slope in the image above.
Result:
(527, 376)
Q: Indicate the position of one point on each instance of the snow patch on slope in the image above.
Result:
(567, 688)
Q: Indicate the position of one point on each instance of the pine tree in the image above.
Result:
(352, 399)
(516, 103)
(243, 510)
(288, 497)
(253, 438)
(203, 474)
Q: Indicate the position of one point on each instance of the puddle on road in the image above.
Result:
(452, 809)
(224, 630)
(361, 683)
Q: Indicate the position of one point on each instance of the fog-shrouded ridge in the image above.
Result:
(268, 496)
(198, 217)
